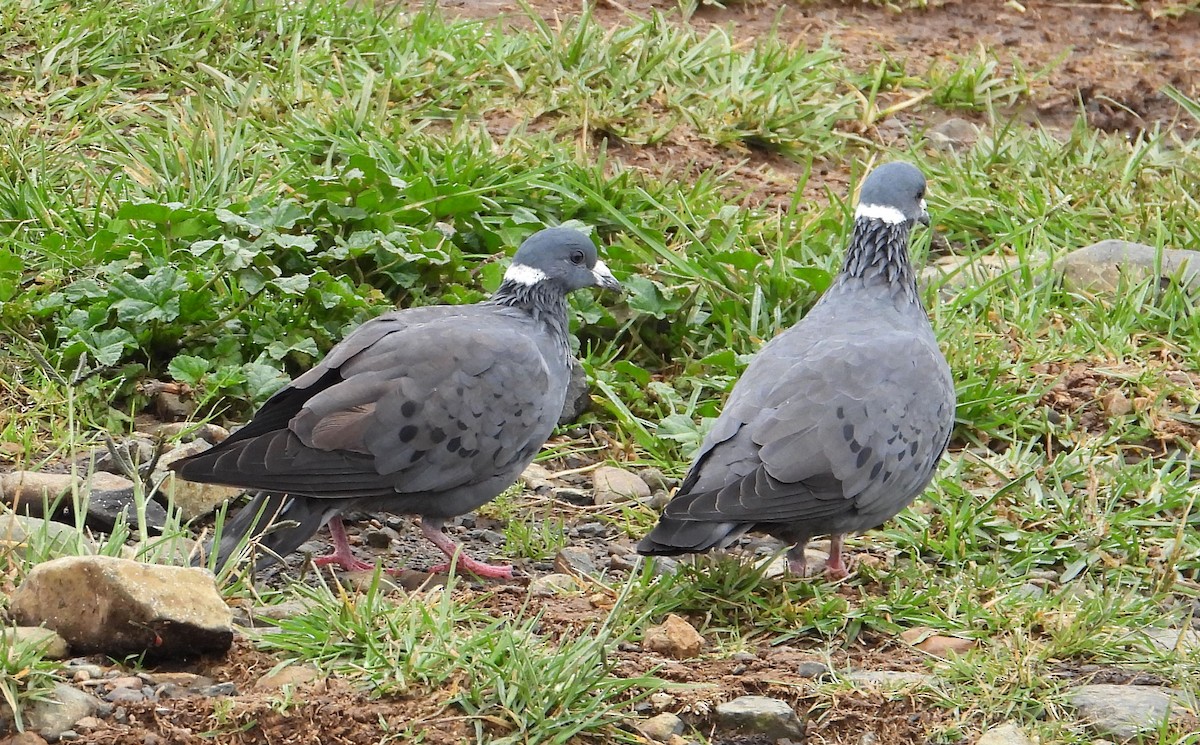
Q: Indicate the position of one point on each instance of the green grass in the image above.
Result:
(215, 194)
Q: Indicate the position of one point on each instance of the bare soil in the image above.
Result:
(1103, 59)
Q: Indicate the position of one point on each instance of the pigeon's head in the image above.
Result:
(563, 256)
(893, 193)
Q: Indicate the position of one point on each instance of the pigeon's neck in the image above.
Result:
(544, 303)
(877, 257)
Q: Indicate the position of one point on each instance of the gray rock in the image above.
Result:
(193, 499)
(553, 584)
(953, 134)
(579, 396)
(576, 560)
(591, 530)
(119, 607)
(124, 696)
(170, 406)
(487, 535)
(611, 484)
(220, 689)
(137, 450)
(55, 538)
(812, 669)
(53, 646)
(29, 489)
(1123, 711)
(1101, 266)
(889, 678)
(537, 479)
(287, 609)
(379, 538)
(760, 715)
(107, 497)
(106, 506)
(891, 130)
(574, 496)
(65, 706)
(1168, 640)
(656, 479)
(663, 565)
(661, 728)
(1008, 733)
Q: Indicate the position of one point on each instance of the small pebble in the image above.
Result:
(591, 530)
(621, 563)
(378, 538)
(810, 669)
(126, 681)
(124, 696)
(69, 735)
(487, 535)
(220, 689)
(744, 657)
(88, 724)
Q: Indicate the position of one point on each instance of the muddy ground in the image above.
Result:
(1103, 59)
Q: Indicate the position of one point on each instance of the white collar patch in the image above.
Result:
(523, 274)
(887, 214)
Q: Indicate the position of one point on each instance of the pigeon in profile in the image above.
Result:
(839, 422)
(429, 411)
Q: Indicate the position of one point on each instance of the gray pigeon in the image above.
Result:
(838, 423)
(428, 411)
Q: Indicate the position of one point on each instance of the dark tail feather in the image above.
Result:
(277, 523)
(671, 537)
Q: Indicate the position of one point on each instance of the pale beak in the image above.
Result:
(604, 277)
(924, 216)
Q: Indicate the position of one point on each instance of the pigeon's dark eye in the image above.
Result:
(577, 257)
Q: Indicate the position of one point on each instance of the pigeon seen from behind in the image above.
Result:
(430, 411)
(838, 423)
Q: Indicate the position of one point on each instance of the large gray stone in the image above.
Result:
(107, 496)
(63, 707)
(760, 715)
(1124, 711)
(55, 538)
(1101, 266)
(119, 607)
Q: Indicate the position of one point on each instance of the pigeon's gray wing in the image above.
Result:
(844, 429)
(399, 407)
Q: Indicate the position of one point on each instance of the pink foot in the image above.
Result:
(432, 528)
(476, 567)
(341, 554)
(835, 567)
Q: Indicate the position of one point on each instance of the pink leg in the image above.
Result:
(797, 564)
(433, 531)
(341, 555)
(835, 568)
